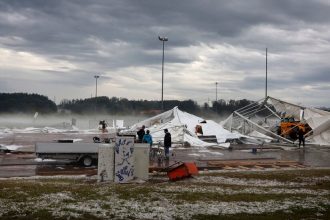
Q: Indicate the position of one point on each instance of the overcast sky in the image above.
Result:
(55, 48)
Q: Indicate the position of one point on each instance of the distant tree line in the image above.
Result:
(325, 109)
(30, 103)
(26, 103)
(116, 105)
(226, 107)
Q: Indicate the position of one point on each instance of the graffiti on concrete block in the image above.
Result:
(124, 160)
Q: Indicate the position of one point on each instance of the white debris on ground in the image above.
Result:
(12, 147)
(164, 201)
(43, 160)
(246, 182)
(205, 153)
(46, 130)
(77, 139)
(57, 177)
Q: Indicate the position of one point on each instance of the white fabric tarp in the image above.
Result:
(286, 108)
(319, 121)
(182, 125)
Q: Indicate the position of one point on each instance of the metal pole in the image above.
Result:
(163, 79)
(95, 87)
(266, 75)
(163, 39)
(96, 77)
(216, 91)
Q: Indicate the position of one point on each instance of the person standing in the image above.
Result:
(104, 126)
(141, 133)
(301, 137)
(167, 143)
(147, 138)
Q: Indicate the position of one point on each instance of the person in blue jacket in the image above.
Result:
(147, 138)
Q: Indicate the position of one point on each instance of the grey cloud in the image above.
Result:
(88, 34)
(78, 78)
(252, 83)
(315, 76)
(4, 85)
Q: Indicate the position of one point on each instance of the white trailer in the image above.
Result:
(85, 153)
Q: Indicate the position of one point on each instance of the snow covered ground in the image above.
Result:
(210, 194)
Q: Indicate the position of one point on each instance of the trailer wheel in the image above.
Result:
(87, 161)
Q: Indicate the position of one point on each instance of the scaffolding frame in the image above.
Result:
(244, 117)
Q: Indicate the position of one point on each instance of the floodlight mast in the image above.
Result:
(96, 77)
(266, 75)
(216, 91)
(163, 39)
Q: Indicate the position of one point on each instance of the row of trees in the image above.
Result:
(30, 103)
(116, 105)
(226, 107)
(26, 103)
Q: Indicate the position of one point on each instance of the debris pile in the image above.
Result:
(185, 129)
(274, 120)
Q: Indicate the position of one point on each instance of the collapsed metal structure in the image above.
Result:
(263, 117)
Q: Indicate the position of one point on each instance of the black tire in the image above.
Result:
(86, 161)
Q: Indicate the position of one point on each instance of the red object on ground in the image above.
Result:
(182, 171)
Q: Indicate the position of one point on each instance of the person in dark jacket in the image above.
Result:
(301, 137)
(167, 143)
(141, 133)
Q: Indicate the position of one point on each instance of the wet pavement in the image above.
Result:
(25, 163)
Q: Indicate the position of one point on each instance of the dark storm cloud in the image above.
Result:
(118, 39)
(55, 29)
(131, 20)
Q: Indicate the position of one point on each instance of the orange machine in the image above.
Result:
(289, 128)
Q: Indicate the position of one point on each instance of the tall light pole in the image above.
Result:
(96, 77)
(216, 91)
(266, 76)
(216, 97)
(163, 39)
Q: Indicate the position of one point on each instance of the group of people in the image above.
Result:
(145, 137)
